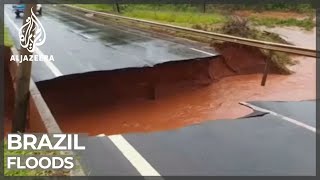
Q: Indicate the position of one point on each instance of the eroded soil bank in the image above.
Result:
(170, 95)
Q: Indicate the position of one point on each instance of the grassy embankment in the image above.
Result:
(277, 14)
(307, 24)
(192, 15)
(178, 15)
(8, 153)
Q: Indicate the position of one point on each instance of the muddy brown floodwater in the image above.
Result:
(172, 95)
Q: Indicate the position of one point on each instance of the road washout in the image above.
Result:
(170, 95)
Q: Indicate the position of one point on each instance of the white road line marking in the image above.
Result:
(298, 123)
(49, 64)
(135, 158)
(80, 33)
(203, 51)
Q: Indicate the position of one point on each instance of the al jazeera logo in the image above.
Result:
(32, 35)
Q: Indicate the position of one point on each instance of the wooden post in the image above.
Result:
(204, 6)
(22, 93)
(118, 7)
(265, 73)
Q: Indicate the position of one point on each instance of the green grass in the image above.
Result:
(179, 18)
(191, 15)
(97, 7)
(183, 15)
(307, 24)
(300, 8)
(258, 7)
(30, 172)
(7, 38)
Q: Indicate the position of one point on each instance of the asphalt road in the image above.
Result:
(80, 46)
(280, 142)
(267, 145)
(304, 111)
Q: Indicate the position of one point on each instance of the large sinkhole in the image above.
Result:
(166, 96)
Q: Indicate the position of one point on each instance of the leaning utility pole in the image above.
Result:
(22, 93)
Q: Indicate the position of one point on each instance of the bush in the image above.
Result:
(240, 27)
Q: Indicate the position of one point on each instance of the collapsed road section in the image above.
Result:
(79, 46)
(143, 92)
(107, 76)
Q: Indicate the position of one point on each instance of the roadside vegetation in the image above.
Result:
(7, 38)
(240, 27)
(30, 172)
(307, 23)
(183, 15)
(214, 15)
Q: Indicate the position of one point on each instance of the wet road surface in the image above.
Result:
(305, 111)
(80, 46)
(263, 145)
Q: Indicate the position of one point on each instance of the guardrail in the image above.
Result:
(216, 36)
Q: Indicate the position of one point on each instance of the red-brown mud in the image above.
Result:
(167, 96)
